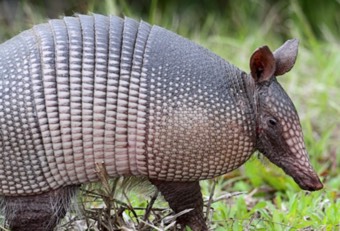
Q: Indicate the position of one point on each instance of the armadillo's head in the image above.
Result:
(279, 134)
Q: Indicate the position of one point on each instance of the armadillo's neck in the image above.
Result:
(250, 89)
(252, 96)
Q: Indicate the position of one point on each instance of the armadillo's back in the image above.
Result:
(136, 99)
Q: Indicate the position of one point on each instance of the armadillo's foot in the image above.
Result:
(38, 212)
(181, 196)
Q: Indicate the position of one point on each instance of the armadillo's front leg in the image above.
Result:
(181, 196)
(38, 212)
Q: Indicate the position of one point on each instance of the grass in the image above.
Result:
(258, 196)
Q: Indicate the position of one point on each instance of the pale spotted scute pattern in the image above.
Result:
(292, 131)
(201, 122)
(140, 100)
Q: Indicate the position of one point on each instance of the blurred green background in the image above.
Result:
(313, 19)
(233, 29)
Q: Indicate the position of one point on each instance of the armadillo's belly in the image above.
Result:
(92, 91)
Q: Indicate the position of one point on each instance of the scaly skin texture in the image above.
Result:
(201, 119)
(38, 213)
(140, 101)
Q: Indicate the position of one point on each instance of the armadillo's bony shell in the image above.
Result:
(138, 99)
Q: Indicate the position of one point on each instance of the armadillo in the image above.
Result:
(141, 101)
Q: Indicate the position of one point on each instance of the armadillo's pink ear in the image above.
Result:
(285, 56)
(262, 64)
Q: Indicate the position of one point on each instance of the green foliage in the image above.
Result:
(270, 200)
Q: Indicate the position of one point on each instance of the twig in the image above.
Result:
(210, 200)
(227, 196)
(150, 225)
(168, 219)
(260, 219)
(252, 218)
(148, 209)
(130, 207)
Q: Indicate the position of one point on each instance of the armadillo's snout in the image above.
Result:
(310, 183)
(296, 163)
(304, 176)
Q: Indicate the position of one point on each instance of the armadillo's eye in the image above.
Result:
(272, 122)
